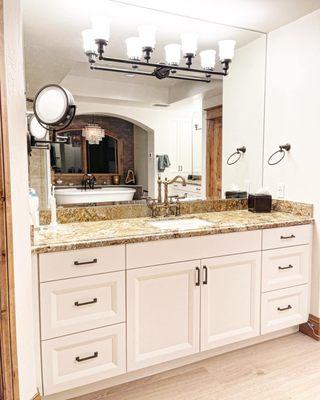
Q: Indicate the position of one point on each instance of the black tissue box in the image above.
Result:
(260, 203)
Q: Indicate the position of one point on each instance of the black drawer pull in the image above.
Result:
(287, 267)
(287, 237)
(205, 280)
(198, 276)
(95, 300)
(94, 261)
(95, 355)
(284, 309)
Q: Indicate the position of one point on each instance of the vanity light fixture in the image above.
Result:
(140, 48)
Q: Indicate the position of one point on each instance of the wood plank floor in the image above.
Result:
(282, 369)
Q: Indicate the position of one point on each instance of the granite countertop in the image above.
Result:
(122, 231)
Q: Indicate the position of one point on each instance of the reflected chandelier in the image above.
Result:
(93, 133)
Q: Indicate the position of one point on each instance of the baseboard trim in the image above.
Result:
(306, 329)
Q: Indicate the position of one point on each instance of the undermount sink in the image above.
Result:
(181, 224)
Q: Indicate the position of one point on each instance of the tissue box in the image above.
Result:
(260, 203)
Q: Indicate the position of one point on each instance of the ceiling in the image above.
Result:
(260, 15)
(53, 43)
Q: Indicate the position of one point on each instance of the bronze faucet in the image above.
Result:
(169, 206)
(88, 181)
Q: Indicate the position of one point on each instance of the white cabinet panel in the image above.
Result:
(285, 267)
(284, 308)
(162, 313)
(83, 358)
(286, 236)
(74, 305)
(167, 251)
(71, 264)
(230, 299)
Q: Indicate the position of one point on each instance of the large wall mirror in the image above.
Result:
(150, 127)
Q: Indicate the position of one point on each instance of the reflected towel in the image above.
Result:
(163, 162)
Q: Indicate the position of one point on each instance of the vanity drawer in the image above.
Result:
(193, 248)
(83, 358)
(284, 308)
(285, 267)
(286, 236)
(71, 264)
(78, 304)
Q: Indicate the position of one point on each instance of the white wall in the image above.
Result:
(293, 115)
(16, 109)
(140, 143)
(243, 116)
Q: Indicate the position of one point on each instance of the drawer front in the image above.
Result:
(73, 305)
(285, 267)
(71, 264)
(83, 358)
(284, 308)
(194, 248)
(287, 236)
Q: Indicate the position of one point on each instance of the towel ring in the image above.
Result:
(281, 150)
(240, 151)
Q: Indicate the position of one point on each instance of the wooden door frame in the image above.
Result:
(8, 355)
(214, 153)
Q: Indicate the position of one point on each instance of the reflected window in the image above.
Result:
(102, 157)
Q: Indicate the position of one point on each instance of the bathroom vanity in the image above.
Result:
(122, 299)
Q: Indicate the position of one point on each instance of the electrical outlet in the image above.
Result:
(281, 190)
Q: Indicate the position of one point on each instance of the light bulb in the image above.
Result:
(226, 49)
(173, 53)
(89, 44)
(147, 34)
(189, 43)
(208, 59)
(101, 27)
(134, 48)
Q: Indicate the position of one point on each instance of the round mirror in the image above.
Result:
(35, 129)
(54, 106)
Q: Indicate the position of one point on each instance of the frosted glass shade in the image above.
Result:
(89, 44)
(189, 43)
(147, 35)
(226, 49)
(173, 53)
(208, 59)
(101, 27)
(134, 48)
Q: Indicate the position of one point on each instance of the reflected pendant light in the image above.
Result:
(93, 133)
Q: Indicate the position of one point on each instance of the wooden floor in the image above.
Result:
(283, 369)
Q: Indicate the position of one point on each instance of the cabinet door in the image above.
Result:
(163, 309)
(230, 299)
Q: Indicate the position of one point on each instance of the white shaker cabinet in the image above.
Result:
(230, 299)
(163, 305)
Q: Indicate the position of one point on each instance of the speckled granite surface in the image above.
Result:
(103, 233)
(68, 215)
